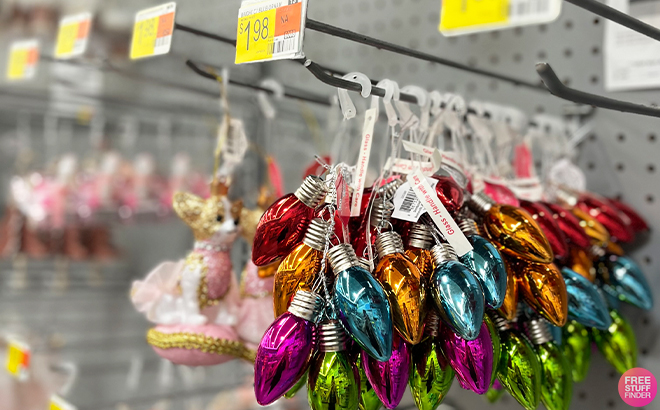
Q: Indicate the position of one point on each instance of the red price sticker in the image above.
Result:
(270, 30)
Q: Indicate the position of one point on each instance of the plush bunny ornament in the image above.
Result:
(195, 302)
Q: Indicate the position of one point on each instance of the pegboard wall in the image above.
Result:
(620, 157)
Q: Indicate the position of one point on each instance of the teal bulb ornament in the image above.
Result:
(488, 267)
(585, 303)
(624, 280)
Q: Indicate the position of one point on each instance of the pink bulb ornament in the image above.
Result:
(389, 379)
(472, 360)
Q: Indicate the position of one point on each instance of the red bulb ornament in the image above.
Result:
(635, 221)
(569, 224)
(543, 216)
(449, 193)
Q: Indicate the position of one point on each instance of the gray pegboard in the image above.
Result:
(620, 158)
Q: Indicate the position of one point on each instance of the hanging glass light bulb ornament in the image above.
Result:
(296, 387)
(586, 305)
(286, 348)
(557, 381)
(599, 209)
(431, 375)
(617, 344)
(379, 215)
(543, 216)
(500, 193)
(581, 262)
(497, 346)
(362, 303)
(509, 306)
(449, 193)
(636, 222)
(486, 263)
(299, 269)
(495, 393)
(576, 346)
(519, 371)
(472, 360)
(368, 398)
(544, 290)
(331, 382)
(403, 286)
(282, 227)
(597, 233)
(512, 230)
(624, 280)
(420, 242)
(389, 379)
(569, 224)
(457, 293)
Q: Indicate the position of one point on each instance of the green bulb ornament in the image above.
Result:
(576, 345)
(617, 343)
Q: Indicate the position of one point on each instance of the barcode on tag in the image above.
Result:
(407, 206)
(163, 41)
(408, 201)
(284, 45)
(523, 10)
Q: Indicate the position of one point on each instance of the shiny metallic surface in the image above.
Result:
(281, 228)
(443, 252)
(586, 305)
(306, 305)
(316, 234)
(597, 233)
(449, 192)
(472, 360)
(537, 331)
(625, 281)
(331, 383)
(296, 272)
(388, 243)
(420, 236)
(332, 336)
(479, 203)
(544, 289)
(488, 267)
(368, 398)
(283, 357)
(431, 375)
(617, 344)
(381, 211)
(404, 286)
(497, 346)
(543, 216)
(580, 262)
(510, 303)
(557, 383)
(458, 294)
(342, 257)
(296, 387)
(576, 345)
(520, 371)
(513, 231)
(569, 225)
(423, 259)
(390, 378)
(469, 227)
(607, 215)
(364, 311)
(312, 191)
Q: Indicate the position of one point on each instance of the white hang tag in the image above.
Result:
(405, 166)
(564, 172)
(441, 217)
(529, 189)
(433, 153)
(58, 403)
(236, 144)
(362, 166)
(407, 206)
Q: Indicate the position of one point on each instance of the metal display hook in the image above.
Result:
(556, 87)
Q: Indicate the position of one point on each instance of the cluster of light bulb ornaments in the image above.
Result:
(517, 313)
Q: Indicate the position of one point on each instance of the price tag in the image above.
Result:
(72, 35)
(58, 403)
(18, 359)
(152, 31)
(23, 60)
(270, 30)
(471, 16)
(406, 205)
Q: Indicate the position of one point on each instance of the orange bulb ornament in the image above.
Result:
(403, 285)
(420, 242)
(544, 290)
(512, 230)
(595, 230)
(299, 269)
(509, 308)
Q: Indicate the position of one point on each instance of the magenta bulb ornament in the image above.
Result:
(472, 360)
(286, 348)
(389, 379)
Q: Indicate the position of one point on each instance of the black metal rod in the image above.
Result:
(616, 16)
(308, 98)
(206, 34)
(384, 45)
(556, 87)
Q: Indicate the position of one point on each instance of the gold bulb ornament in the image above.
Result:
(617, 343)
(299, 269)
(512, 230)
(581, 263)
(595, 230)
(268, 270)
(404, 286)
(509, 308)
(544, 290)
(420, 242)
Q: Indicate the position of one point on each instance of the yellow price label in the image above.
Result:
(58, 403)
(23, 59)
(456, 14)
(152, 32)
(72, 35)
(269, 30)
(18, 360)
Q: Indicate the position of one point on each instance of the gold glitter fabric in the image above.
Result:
(201, 342)
(204, 216)
(249, 220)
